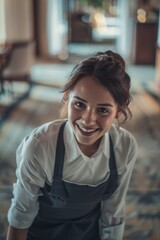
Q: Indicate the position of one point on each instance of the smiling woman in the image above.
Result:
(90, 113)
(108, 69)
(73, 174)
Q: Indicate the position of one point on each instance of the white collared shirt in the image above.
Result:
(35, 166)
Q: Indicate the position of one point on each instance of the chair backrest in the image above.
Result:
(20, 60)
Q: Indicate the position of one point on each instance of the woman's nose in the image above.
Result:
(89, 117)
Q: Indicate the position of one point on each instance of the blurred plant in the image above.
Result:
(97, 3)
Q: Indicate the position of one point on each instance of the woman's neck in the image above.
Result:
(89, 150)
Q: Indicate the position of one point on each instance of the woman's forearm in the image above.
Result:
(16, 234)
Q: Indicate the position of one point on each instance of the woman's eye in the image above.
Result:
(79, 105)
(103, 110)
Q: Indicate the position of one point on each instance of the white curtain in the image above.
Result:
(57, 32)
(124, 42)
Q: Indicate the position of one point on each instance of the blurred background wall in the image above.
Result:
(16, 20)
(131, 27)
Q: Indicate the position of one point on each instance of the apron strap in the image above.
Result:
(60, 151)
(112, 162)
(113, 178)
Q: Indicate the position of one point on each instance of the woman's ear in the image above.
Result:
(118, 114)
(65, 97)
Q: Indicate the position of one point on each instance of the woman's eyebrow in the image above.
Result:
(99, 104)
(80, 99)
(105, 104)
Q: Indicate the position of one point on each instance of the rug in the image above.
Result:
(42, 105)
(143, 205)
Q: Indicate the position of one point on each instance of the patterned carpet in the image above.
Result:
(143, 205)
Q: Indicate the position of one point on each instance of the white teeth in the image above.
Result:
(87, 130)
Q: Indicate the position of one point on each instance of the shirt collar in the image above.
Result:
(73, 152)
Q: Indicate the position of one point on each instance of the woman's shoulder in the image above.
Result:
(43, 136)
(39, 147)
(121, 136)
(125, 147)
(47, 130)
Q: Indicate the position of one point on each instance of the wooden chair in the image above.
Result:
(17, 67)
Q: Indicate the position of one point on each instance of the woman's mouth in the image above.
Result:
(86, 131)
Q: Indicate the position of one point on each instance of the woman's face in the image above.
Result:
(91, 112)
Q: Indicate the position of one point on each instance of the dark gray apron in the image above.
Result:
(69, 211)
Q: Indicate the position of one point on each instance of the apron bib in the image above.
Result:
(69, 211)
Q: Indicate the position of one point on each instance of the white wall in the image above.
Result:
(52, 29)
(158, 39)
(2, 22)
(124, 42)
(17, 20)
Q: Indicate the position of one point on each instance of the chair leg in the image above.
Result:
(1, 84)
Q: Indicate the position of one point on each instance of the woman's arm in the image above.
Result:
(30, 177)
(16, 234)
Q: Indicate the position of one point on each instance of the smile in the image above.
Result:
(86, 131)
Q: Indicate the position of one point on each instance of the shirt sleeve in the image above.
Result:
(30, 177)
(112, 221)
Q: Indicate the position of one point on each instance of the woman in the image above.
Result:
(73, 174)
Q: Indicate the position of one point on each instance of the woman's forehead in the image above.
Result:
(89, 89)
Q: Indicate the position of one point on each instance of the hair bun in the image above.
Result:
(116, 58)
(111, 57)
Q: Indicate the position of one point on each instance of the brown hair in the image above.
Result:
(108, 68)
